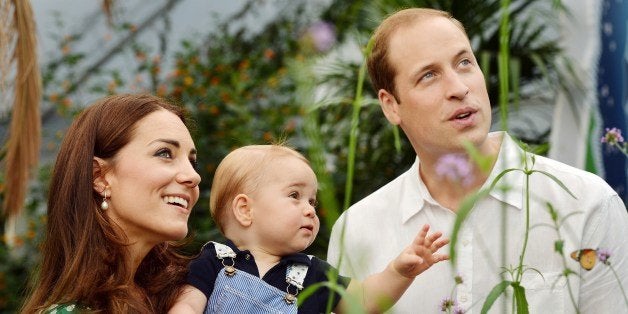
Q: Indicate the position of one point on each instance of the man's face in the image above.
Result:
(442, 96)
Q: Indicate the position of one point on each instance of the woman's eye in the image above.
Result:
(194, 163)
(465, 62)
(164, 153)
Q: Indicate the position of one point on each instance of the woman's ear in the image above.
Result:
(241, 207)
(98, 173)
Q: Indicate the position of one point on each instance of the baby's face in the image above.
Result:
(284, 207)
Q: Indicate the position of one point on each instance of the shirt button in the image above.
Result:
(248, 257)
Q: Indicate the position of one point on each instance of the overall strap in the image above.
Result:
(295, 275)
(222, 252)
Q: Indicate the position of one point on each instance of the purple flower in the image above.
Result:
(322, 35)
(456, 168)
(447, 304)
(458, 310)
(612, 137)
(603, 255)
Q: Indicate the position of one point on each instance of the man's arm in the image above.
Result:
(606, 229)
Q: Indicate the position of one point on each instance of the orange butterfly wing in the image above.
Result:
(586, 257)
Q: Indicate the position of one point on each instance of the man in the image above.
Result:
(429, 83)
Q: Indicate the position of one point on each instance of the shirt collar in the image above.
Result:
(296, 258)
(413, 192)
(509, 188)
(415, 196)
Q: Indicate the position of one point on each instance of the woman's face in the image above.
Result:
(153, 184)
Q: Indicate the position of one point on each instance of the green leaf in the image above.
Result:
(463, 211)
(500, 175)
(552, 211)
(397, 138)
(558, 246)
(549, 175)
(483, 162)
(494, 294)
(520, 298)
(354, 307)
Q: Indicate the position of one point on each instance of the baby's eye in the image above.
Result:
(313, 202)
(294, 195)
(164, 153)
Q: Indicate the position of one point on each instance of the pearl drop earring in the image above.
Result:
(104, 205)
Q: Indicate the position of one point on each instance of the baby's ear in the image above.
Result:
(241, 207)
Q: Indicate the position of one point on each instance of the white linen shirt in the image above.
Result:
(377, 228)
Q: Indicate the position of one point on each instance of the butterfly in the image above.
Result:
(586, 257)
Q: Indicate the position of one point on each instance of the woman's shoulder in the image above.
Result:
(65, 308)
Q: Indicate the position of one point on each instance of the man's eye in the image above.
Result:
(428, 75)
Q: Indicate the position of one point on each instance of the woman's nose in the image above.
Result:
(189, 176)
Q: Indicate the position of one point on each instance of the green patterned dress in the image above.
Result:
(68, 308)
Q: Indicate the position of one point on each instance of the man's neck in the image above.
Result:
(450, 193)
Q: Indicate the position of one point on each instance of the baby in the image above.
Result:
(263, 198)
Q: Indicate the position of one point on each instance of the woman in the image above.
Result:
(122, 188)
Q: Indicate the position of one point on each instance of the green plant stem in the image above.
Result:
(519, 274)
(353, 140)
(621, 287)
(502, 68)
(353, 134)
(623, 149)
(571, 296)
(504, 242)
(502, 64)
(527, 229)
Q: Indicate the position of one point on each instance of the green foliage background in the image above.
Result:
(247, 88)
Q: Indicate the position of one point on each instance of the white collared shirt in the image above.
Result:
(377, 228)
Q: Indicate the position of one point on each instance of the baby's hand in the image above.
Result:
(421, 254)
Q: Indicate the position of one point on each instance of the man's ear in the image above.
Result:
(98, 173)
(389, 105)
(241, 207)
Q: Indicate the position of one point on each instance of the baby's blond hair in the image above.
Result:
(242, 171)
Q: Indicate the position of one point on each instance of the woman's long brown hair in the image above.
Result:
(84, 257)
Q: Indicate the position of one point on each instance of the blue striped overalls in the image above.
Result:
(240, 292)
